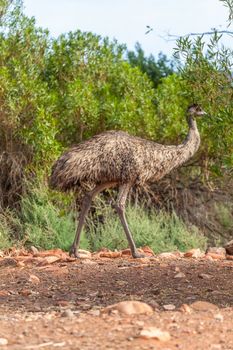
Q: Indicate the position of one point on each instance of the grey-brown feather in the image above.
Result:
(116, 156)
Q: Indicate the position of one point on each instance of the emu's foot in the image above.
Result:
(73, 251)
(138, 255)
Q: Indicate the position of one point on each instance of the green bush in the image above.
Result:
(40, 222)
(6, 232)
(159, 230)
(224, 214)
(47, 225)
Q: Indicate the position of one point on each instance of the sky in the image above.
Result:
(126, 20)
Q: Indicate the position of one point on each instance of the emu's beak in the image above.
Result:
(202, 113)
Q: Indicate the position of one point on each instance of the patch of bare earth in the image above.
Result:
(49, 301)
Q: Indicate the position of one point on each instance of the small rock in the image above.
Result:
(49, 260)
(142, 261)
(215, 256)
(208, 257)
(84, 254)
(194, 253)
(154, 304)
(185, 308)
(3, 341)
(50, 252)
(111, 255)
(219, 317)
(34, 279)
(167, 255)
(25, 292)
(203, 306)
(154, 333)
(148, 251)
(115, 312)
(229, 247)
(121, 283)
(67, 313)
(204, 276)
(216, 250)
(169, 307)
(180, 275)
(63, 303)
(130, 338)
(94, 312)
(34, 250)
(87, 261)
(130, 307)
(126, 252)
(4, 293)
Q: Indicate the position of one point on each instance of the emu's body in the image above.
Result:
(115, 158)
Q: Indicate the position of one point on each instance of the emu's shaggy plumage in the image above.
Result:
(115, 156)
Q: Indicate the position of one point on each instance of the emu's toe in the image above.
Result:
(73, 252)
(138, 255)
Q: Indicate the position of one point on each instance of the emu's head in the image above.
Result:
(195, 111)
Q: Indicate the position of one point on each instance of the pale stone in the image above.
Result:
(216, 250)
(179, 275)
(194, 253)
(204, 276)
(219, 317)
(111, 255)
(169, 307)
(50, 259)
(185, 308)
(94, 312)
(147, 250)
(167, 255)
(203, 306)
(84, 254)
(3, 341)
(154, 333)
(34, 250)
(130, 307)
(68, 313)
(34, 279)
(87, 261)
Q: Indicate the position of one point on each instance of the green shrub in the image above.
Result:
(5, 232)
(159, 230)
(47, 225)
(224, 216)
(40, 222)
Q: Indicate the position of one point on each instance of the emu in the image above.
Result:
(115, 158)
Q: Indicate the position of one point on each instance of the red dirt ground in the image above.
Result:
(54, 302)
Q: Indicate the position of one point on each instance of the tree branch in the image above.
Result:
(173, 37)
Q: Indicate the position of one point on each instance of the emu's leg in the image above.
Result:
(86, 204)
(120, 208)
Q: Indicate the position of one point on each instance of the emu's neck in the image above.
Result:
(187, 149)
(192, 140)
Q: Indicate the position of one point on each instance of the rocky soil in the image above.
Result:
(108, 300)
